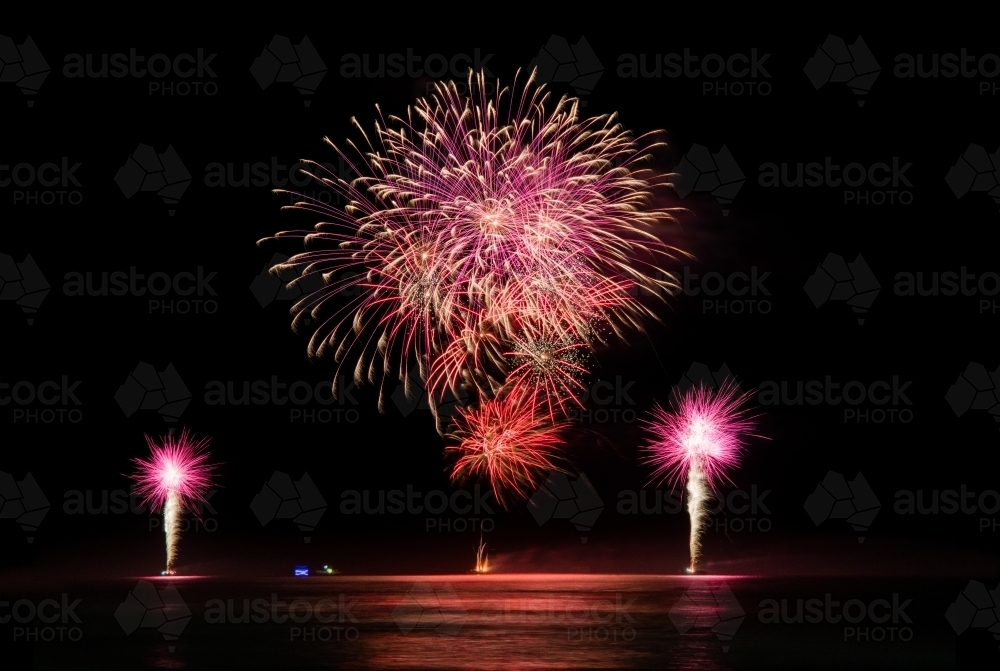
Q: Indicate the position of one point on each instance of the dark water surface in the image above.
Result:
(483, 622)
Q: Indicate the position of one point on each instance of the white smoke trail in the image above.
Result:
(698, 495)
(172, 527)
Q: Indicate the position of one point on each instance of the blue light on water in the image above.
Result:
(301, 570)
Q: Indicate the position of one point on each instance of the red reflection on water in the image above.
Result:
(172, 578)
(546, 620)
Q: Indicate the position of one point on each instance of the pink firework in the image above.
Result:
(473, 214)
(705, 431)
(507, 441)
(176, 477)
(697, 443)
(177, 465)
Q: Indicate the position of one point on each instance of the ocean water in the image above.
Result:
(534, 621)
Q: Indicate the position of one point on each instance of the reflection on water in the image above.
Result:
(542, 621)
(467, 621)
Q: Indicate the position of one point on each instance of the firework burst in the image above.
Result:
(176, 477)
(698, 442)
(506, 440)
(484, 233)
(474, 202)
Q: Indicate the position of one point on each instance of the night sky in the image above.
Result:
(902, 218)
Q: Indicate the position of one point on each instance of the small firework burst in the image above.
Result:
(175, 478)
(707, 428)
(506, 440)
(698, 442)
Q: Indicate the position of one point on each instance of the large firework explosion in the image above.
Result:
(492, 240)
(698, 442)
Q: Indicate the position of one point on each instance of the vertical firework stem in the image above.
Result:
(172, 527)
(698, 494)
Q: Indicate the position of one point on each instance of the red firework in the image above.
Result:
(506, 440)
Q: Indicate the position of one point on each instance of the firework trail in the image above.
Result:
(484, 233)
(176, 477)
(482, 558)
(697, 442)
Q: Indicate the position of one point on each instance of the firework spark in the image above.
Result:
(175, 478)
(697, 442)
(507, 440)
